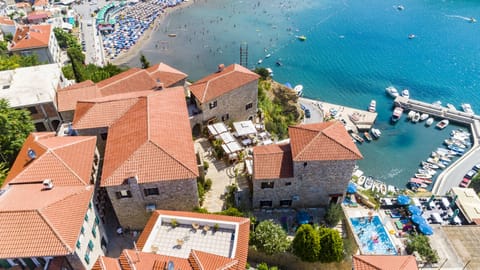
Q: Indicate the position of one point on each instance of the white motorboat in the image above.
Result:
(472, 20)
(368, 183)
(270, 72)
(268, 56)
(373, 106)
(424, 116)
(405, 93)
(429, 121)
(298, 90)
(467, 108)
(430, 165)
(416, 118)
(397, 114)
(392, 91)
(367, 136)
(451, 107)
(376, 133)
(442, 124)
(357, 137)
(259, 61)
(437, 103)
(400, 7)
(383, 188)
(412, 36)
(423, 176)
(361, 180)
(411, 114)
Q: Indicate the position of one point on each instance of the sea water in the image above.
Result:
(354, 49)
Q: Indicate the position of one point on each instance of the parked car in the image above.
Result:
(465, 182)
(307, 113)
(470, 174)
(476, 167)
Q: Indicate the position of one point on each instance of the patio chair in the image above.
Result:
(180, 243)
(195, 226)
(206, 228)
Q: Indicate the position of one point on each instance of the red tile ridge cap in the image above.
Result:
(173, 157)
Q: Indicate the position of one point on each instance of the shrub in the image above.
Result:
(174, 223)
(331, 245)
(421, 244)
(206, 165)
(262, 266)
(306, 244)
(270, 238)
(208, 184)
(232, 211)
(333, 215)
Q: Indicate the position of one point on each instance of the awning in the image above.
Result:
(468, 202)
(249, 166)
(414, 210)
(244, 128)
(217, 128)
(417, 219)
(425, 229)
(227, 137)
(231, 147)
(403, 200)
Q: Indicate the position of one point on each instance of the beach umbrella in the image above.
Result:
(453, 201)
(414, 210)
(403, 200)
(431, 199)
(352, 188)
(425, 229)
(417, 219)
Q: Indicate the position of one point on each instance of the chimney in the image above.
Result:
(47, 184)
(220, 67)
(159, 84)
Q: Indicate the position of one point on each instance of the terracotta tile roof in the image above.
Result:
(6, 21)
(48, 223)
(31, 37)
(40, 3)
(166, 74)
(103, 112)
(65, 160)
(202, 257)
(204, 260)
(272, 161)
(106, 263)
(67, 97)
(219, 83)
(322, 141)
(384, 262)
(154, 131)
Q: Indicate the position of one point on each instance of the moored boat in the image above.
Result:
(423, 176)
(432, 166)
(392, 91)
(451, 107)
(383, 188)
(456, 149)
(416, 118)
(298, 90)
(357, 137)
(442, 124)
(429, 121)
(301, 38)
(368, 183)
(367, 136)
(467, 108)
(424, 116)
(373, 106)
(361, 180)
(411, 114)
(405, 93)
(397, 114)
(376, 133)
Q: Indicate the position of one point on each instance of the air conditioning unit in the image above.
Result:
(47, 184)
(150, 207)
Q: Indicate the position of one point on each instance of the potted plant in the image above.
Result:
(216, 227)
(174, 223)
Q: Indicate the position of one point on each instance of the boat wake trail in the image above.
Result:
(459, 17)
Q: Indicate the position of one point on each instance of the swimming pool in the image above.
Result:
(373, 236)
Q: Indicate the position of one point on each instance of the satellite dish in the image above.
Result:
(31, 154)
(170, 266)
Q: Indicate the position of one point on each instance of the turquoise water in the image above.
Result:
(354, 49)
(373, 236)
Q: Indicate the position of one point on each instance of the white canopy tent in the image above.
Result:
(244, 128)
(217, 129)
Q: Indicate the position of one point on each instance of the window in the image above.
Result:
(123, 194)
(82, 230)
(78, 244)
(32, 110)
(248, 106)
(288, 183)
(87, 258)
(89, 205)
(267, 185)
(40, 127)
(94, 231)
(151, 191)
(285, 203)
(6, 86)
(97, 220)
(86, 217)
(90, 245)
(265, 203)
(212, 104)
(225, 117)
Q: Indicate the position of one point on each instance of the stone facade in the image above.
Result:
(315, 184)
(131, 200)
(239, 104)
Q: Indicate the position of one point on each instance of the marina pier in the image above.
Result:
(453, 174)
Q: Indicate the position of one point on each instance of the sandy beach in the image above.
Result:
(125, 57)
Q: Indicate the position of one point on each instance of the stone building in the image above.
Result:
(230, 94)
(49, 216)
(312, 170)
(149, 160)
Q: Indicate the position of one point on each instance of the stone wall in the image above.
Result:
(283, 189)
(173, 195)
(101, 139)
(234, 103)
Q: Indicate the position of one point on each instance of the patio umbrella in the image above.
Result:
(455, 213)
(417, 219)
(425, 229)
(414, 210)
(453, 201)
(403, 200)
(352, 188)
(302, 217)
(431, 199)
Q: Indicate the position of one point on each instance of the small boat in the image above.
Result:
(392, 91)
(411, 114)
(411, 36)
(437, 103)
(472, 20)
(451, 107)
(420, 180)
(442, 124)
(454, 142)
(368, 183)
(424, 116)
(172, 35)
(278, 63)
(467, 108)
(367, 136)
(405, 93)
(430, 165)
(427, 171)
(259, 61)
(416, 118)
(373, 106)
(456, 149)
(392, 189)
(361, 180)
(400, 7)
(383, 188)
(436, 161)
(268, 56)
(355, 117)
(423, 176)
(270, 72)
(429, 121)
(357, 137)
(301, 38)
(298, 90)
(397, 114)
(376, 133)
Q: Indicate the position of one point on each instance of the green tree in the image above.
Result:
(331, 245)
(263, 72)
(144, 61)
(421, 244)
(333, 215)
(15, 126)
(66, 40)
(270, 238)
(306, 244)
